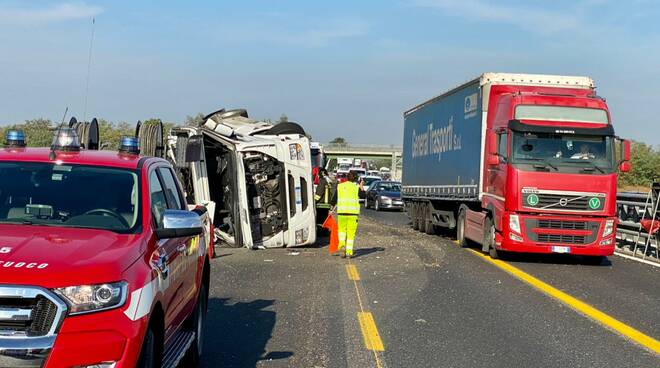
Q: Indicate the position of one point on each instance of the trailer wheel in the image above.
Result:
(460, 229)
(413, 216)
(429, 228)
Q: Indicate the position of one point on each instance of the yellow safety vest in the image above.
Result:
(348, 199)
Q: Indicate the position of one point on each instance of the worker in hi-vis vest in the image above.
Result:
(348, 209)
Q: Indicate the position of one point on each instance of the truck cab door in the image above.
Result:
(497, 174)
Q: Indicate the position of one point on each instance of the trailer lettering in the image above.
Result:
(436, 141)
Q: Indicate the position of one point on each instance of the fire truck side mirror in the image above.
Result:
(493, 159)
(626, 150)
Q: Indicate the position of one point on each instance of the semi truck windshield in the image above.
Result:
(563, 150)
(69, 196)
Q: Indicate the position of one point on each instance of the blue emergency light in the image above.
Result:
(129, 145)
(15, 138)
(66, 139)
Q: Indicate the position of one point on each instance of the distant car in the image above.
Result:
(366, 183)
(359, 172)
(384, 195)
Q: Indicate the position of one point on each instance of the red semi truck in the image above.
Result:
(102, 263)
(516, 163)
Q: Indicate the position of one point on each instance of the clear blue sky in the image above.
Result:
(341, 68)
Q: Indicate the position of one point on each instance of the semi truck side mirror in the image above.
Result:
(493, 158)
(626, 150)
(624, 159)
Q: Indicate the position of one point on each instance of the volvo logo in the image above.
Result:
(563, 202)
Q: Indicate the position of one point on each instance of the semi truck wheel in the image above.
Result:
(460, 229)
(489, 238)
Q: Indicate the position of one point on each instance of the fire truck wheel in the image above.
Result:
(149, 357)
(197, 323)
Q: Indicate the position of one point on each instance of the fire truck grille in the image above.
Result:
(43, 317)
(30, 314)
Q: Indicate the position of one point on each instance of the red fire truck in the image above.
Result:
(102, 263)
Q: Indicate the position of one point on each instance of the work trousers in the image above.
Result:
(347, 229)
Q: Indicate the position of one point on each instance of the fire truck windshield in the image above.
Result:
(589, 153)
(69, 196)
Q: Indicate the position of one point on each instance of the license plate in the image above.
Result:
(557, 249)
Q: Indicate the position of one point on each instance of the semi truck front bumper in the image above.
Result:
(590, 236)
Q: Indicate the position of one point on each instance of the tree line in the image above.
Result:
(39, 132)
(645, 162)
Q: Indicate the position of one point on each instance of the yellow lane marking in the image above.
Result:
(352, 272)
(582, 307)
(370, 332)
(368, 326)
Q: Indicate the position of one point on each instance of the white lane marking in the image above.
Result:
(623, 255)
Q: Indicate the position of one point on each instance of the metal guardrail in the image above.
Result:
(632, 238)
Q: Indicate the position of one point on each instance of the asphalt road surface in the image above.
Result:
(414, 300)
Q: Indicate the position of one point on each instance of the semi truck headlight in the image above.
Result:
(609, 227)
(302, 235)
(514, 223)
(94, 298)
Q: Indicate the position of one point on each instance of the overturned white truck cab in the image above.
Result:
(254, 177)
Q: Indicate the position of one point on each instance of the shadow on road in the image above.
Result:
(565, 259)
(237, 334)
(359, 252)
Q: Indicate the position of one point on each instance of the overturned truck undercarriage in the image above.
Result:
(249, 177)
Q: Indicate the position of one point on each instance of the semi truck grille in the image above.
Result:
(538, 229)
(29, 312)
(564, 202)
(561, 224)
(564, 239)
